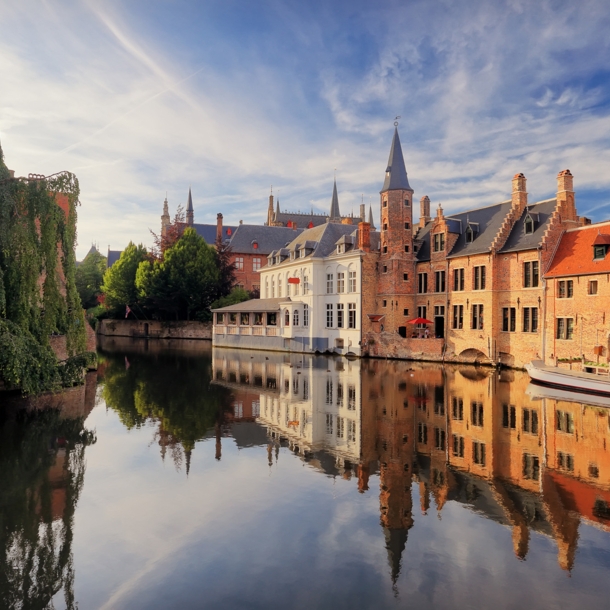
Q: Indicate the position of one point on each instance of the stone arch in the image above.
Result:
(473, 356)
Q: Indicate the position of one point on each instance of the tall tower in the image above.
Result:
(190, 213)
(165, 221)
(396, 258)
(269, 222)
(335, 214)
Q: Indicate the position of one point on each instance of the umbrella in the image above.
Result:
(419, 321)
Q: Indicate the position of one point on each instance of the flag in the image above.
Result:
(127, 310)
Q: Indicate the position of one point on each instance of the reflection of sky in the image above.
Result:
(238, 534)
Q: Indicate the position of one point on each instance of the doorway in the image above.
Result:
(439, 327)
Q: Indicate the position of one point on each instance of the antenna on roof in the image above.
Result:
(272, 189)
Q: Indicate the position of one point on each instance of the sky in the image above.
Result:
(145, 98)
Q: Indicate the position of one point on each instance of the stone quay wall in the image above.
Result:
(155, 329)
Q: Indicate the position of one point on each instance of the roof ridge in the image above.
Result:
(593, 225)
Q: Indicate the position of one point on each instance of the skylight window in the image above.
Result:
(599, 252)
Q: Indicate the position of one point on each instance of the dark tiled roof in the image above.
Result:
(396, 172)
(422, 241)
(268, 239)
(489, 219)
(113, 257)
(518, 239)
(208, 232)
(302, 220)
(574, 255)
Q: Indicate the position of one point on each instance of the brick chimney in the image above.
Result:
(219, 227)
(364, 236)
(519, 195)
(565, 196)
(424, 211)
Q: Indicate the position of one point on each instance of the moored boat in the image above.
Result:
(590, 383)
(538, 392)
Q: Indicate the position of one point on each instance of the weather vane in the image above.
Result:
(396, 121)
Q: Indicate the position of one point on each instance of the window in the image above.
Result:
(238, 409)
(566, 289)
(385, 203)
(258, 319)
(439, 439)
(565, 422)
(530, 319)
(329, 283)
(305, 315)
(329, 315)
(351, 281)
(457, 408)
(340, 427)
(406, 248)
(405, 312)
(469, 235)
(239, 263)
(407, 202)
(478, 453)
(256, 263)
(351, 397)
(385, 268)
(439, 242)
(439, 310)
(266, 288)
(458, 446)
(339, 394)
(439, 281)
(458, 279)
(279, 287)
(305, 284)
(329, 423)
(286, 318)
(592, 287)
(531, 274)
(273, 288)
(422, 282)
(530, 421)
(477, 317)
(509, 319)
(509, 417)
(594, 471)
(458, 317)
(220, 318)
(340, 313)
(407, 225)
(422, 433)
(405, 277)
(329, 392)
(476, 413)
(385, 250)
(340, 282)
(351, 315)
(351, 431)
(529, 225)
(565, 328)
(599, 252)
(479, 277)
(565, 461)
(232, 318)
(295, 317)
(384, 303)
(421, 313)
(531, 467)
(244, 319)
(271, 319)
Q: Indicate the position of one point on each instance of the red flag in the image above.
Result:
(127, 310)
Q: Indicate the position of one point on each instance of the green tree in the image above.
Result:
(184, 283)
(89, 278)
(237, 295)
(119, 285)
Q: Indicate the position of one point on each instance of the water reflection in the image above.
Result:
(42, 469)
(532, 462)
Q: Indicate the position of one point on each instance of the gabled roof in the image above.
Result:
(113, 257)
(208, 232)
(267, 239)
(574, 254)
(302, 220)
(541, 215)
(422, 241)
(396, 172)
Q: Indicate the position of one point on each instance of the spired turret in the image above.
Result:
(165, 220)
(335, 214)
(190, 213)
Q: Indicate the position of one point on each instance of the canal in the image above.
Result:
(186, 477)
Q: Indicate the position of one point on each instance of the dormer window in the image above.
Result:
(255, 245)
(599, 252)
(469, 235)
(528, 226)
(439, 242)
(341, 249)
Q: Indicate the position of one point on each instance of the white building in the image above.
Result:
(311, 296)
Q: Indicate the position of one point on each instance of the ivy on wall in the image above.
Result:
(38, 295)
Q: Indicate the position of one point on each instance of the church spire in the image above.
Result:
(190, 213)
(165, 220)
(371, 218)
(396, 172)
(270, 209)
(335, 214)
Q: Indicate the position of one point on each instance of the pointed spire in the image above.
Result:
(190, 214)
(335, 214)
(371, 218)
(396, 172)
(277, 210)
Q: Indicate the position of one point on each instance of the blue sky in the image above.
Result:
(142, 97)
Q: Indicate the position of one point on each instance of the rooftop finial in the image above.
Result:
(396, 119)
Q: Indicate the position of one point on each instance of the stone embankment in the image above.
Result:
(155, 329)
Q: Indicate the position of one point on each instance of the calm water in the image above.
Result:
(198, 479)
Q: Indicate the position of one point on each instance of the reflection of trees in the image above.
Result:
(42, 470)
(173, 391)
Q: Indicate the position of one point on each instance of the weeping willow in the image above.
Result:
(38, 295)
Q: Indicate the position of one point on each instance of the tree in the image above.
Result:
(226, 268)
(185, 282)
(237, 295)
(119, 286)
(89, 278)
(173, 233)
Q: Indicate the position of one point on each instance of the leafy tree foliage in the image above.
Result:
(119, 285)
(89, 278)
(226, 267)
(237, 295)
(173, 233)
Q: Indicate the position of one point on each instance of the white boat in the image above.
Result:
(537, 392)
(589, 383)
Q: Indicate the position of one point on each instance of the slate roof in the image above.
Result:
(574, 255)
(396, 172)
(268, 239)
(113, 257)
(541, 213)
(208, 232)
(302, 219)
(254, 305)
(422, 241)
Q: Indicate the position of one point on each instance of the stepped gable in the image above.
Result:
(541, 212)
(267, 239)
(574, 254)
(488, 221)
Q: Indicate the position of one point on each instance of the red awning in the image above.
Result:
(294, 280)
(419, 321)
(375, 317)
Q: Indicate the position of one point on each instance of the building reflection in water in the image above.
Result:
(42, 470)
(528, 459)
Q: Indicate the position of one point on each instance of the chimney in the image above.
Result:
(362, 212)
(424, 211)
(519, 195)
(364, 236)
(11, 173)
(219, 227)
(565, 195)
(439, 212)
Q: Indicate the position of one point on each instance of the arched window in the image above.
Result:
(295, 317)
(286, 318)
